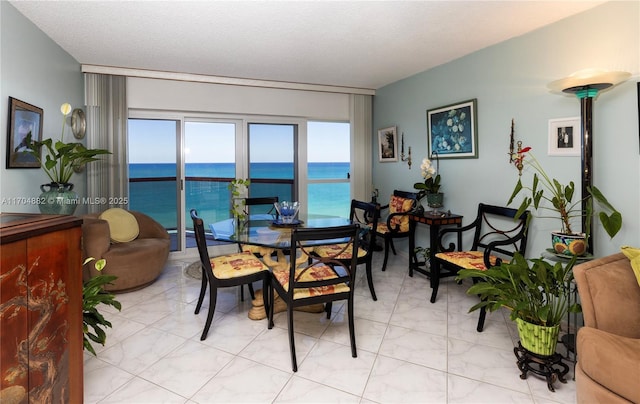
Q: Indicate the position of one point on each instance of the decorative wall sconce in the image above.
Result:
(406, 159)
(586, 84)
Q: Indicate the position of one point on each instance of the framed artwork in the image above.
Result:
(452, 130)
(564, 137)
(23, 119)
(388, 144)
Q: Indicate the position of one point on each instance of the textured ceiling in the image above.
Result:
(341, 43)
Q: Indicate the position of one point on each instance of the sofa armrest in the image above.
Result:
(96, 239)
(149, 228)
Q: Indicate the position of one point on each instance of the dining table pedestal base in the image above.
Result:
(257, 312)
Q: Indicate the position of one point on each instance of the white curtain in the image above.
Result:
(107, 179)
(361, 123)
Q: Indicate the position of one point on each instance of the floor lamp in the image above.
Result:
(586, 85)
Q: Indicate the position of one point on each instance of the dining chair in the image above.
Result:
(497, 235)
(258, 205)
(366, 214)
(396, 224)
(224, 271)
(321, 280)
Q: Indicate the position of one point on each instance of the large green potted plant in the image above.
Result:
(60, 161)
(536, 292)
(552, 199)
(93, 294)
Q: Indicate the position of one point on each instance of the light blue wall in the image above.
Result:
(509, 81)
(34, 69)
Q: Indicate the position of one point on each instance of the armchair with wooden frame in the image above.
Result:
(497, 235)
(396, 224)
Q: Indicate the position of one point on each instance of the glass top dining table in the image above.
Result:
(264, 231)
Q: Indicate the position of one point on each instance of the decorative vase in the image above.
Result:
(58, 199)
(538, 339)
(434, 201)
(569, 244)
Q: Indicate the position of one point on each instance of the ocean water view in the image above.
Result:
(206, 188)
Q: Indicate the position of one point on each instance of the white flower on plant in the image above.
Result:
(65, 109)
(427, 169)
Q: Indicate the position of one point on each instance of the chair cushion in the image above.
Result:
(467, 259)
(333, 250)
(123, 226)
(235, 265)
(397, 205)
(315, 273)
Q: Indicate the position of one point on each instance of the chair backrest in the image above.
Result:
(498, 229)
(201, 242)
(303, 239)
(265, 203)
(400, 203)
(366, 214)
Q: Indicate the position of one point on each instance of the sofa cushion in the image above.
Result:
(611, 361)
(634, 258)
(123, 226)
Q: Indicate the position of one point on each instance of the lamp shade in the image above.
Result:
(589, 79)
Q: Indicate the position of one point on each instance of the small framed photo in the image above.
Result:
(452, 130)
(388, 144)
(23, 119)
(564, 137)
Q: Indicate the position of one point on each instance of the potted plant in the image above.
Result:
(59, 161)
(430, 186)
(536, 292)
(93, 294)
(547, 194)
(239, 190)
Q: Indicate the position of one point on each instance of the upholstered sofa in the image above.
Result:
(608, 346)
(136, 263)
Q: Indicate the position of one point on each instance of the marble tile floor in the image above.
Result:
(409, 350)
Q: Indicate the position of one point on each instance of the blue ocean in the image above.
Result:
(153, 188)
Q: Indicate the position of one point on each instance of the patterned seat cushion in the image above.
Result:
(397, 205)
(467, 259)
(234, 265)
(334, 250)
(315, 273)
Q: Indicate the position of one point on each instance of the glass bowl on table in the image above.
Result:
(287, 212)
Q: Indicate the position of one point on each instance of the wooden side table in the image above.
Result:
(434, 222)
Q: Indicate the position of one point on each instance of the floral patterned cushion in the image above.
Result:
(336, 251)
(467, 259)
(234, 265)
(397, 205)
(314, 273)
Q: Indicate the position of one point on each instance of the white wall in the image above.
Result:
(510, 81)
(34, 69)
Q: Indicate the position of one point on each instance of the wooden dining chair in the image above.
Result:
(396, 224)
(225, 271)
(323, 280)
(497, 235)
(366, 214)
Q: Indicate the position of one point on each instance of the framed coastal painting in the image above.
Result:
(388, 144)
(23, 119)
(564, 137)
(452, 130)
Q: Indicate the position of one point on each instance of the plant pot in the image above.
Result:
(58, 199)
(569, 244)
(434, 201)
(538, 339)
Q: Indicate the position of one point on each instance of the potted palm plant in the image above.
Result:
(547, 194)
(536, 292)
(60, 161)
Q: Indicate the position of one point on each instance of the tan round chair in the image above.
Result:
(137, 263)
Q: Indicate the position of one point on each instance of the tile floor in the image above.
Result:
(409, 350)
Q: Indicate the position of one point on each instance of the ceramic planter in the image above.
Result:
(538, 339)
(569, 244)
(58, 199)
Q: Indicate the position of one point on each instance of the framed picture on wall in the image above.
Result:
(388, 144)
(452, 130)
(564, 137)
(23, 119)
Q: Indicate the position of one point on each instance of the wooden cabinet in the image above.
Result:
(40, 308)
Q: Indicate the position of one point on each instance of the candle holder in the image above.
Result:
(406, 159)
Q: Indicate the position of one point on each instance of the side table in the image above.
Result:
(434, 221)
